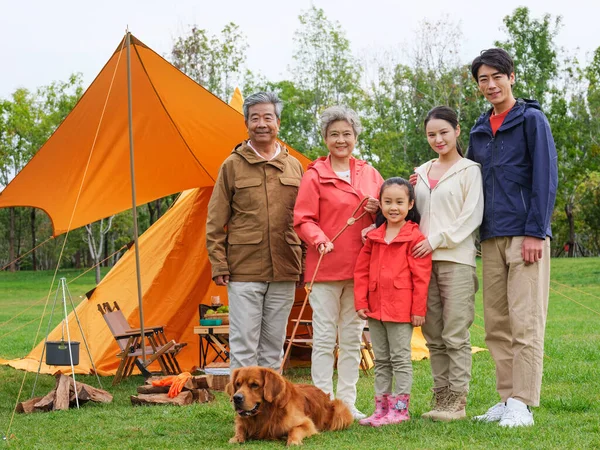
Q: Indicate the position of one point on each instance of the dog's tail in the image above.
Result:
(341, 417)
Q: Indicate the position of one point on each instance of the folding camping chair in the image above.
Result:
(130, 341)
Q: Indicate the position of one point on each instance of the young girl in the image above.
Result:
(390, 289)
(450, 196)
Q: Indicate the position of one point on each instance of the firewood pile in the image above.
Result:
(63, 396)
(195, 390)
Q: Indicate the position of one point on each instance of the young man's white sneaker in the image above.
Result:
(494, 414)
(356, 413)
(517, 414)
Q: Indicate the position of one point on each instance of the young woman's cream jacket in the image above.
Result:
(452, 211)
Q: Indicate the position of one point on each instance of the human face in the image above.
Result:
(442, 137)
(263, 124)
(496, 87)
(395, 204)
(340, 139)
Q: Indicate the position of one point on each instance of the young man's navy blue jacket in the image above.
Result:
(520, 172)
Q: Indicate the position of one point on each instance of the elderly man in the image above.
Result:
(252, 245)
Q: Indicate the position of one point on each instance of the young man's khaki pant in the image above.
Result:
(515, 305)
(334, 318)
(450, 313)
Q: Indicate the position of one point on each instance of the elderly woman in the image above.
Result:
(330, 191)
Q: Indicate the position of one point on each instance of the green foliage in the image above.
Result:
(212, 61)
(531, 43)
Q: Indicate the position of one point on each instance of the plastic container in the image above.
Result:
(210, 322)
(57, 353)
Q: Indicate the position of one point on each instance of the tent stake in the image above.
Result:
(133, 196)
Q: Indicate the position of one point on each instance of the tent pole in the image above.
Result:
(133, 198)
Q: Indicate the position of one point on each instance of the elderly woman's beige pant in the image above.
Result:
(335, 319)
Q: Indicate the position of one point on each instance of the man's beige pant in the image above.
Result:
(334, 318)
(450, 313)
(391, 345)
(258, 317)
(515, 305)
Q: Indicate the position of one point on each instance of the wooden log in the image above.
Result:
(202, 395)
(28, 406)
(149, 389)
(184, 398)
(61, 398)
(199, 382)
(47, 401)
(86, 393)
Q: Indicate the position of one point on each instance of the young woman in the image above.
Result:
(449, 195)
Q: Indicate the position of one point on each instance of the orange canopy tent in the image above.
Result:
(182, 134)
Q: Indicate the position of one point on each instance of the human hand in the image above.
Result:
(221, 280)
(417, 321)
(372, 205)
(362, 313)
(364, 231)
(413, 178)
(422, 249)
(531, 249)
(325, 247)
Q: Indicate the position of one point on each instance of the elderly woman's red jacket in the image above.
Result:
(388, 281)
(324, 204)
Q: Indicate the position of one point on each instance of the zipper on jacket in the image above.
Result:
(493, 144)
(523, 198)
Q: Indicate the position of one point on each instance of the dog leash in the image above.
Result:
(351, 221)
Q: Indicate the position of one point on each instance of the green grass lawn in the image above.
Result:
(569, 415)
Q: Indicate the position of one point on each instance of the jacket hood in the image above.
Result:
(407, 233)
(514, 117)
(462, 164)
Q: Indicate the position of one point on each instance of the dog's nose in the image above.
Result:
(238, 398)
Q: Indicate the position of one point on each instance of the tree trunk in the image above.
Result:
(11, 241)
(158, 205)
(33, 243)
(151, 212)
(571, 220)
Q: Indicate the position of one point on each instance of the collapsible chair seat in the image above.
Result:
(130, 341)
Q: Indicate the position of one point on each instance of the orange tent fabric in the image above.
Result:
(181, 132)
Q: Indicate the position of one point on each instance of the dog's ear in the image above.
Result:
(275, 389)
(230, 388)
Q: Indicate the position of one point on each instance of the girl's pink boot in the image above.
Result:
(397, 411)
(381, 409)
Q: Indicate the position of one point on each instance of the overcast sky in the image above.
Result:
(42, 41)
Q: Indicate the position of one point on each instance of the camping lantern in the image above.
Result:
(57, 353)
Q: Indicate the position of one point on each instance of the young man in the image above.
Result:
(514, 145)
(251, 242)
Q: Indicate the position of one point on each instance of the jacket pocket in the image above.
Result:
(248, 196)
(372, 286)
(403, 283)
(289, 191)
(244, 253)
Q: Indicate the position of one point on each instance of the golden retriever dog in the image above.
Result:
(270, 407)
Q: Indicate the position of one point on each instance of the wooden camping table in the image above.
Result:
(213, 337)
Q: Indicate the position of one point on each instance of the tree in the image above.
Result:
(324, 71)
(95, 236)
(531, 44)
(214, 62)
(28, 120)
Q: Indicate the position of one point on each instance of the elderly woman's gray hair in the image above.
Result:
(335, 113)
(263, 97)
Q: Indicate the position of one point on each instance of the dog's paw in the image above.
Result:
(236, 440)
(291, 442)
